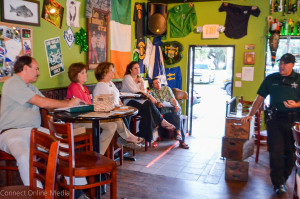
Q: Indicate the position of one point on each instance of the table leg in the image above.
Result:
(96, 148)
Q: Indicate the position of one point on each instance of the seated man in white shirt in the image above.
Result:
(20, 112)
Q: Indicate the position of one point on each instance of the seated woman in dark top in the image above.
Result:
(151, 116)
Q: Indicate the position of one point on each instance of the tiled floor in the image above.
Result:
(202, 161)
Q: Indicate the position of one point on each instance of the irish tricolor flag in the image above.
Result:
(120, 30)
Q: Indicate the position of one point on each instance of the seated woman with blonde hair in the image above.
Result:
(78, 76)
(104, 73)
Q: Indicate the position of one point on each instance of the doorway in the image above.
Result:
(210, 77)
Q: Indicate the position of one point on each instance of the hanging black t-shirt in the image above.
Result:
(237, 19)
(139, 18)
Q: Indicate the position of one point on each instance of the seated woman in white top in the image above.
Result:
(104, 73)
(151, 116)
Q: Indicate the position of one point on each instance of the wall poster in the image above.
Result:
(54, 56)
(15, 40)
(97, 33)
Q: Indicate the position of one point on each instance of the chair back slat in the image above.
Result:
(44, 122)
(43, 160)
(296, 134)
(64, 133)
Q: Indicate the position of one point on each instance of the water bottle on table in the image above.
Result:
(239, 110)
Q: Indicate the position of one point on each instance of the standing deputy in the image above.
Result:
(284, 90)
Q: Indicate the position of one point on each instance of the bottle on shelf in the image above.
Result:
(280, 6)
(239, 110)
(290, 26)
(276, 4)
(285, 8)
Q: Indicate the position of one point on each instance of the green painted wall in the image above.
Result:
(70, 55)
(207, 13)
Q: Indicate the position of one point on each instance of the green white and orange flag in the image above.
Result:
(120, 32)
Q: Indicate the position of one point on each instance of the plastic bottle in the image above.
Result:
(239, 109)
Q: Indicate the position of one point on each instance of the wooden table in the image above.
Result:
(80, 116)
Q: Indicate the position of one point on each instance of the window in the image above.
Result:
(286, 45)
(201, 66)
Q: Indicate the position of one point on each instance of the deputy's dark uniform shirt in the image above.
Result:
(281, 88)
(237, 19)
(139, 18)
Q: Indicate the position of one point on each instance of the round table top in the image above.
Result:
(89, 116)
(21, 192)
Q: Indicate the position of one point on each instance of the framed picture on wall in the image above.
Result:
(21, 12)
(97, 35)
(249, 58)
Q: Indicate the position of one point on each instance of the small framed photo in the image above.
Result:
(249, 46)
(53, 12)
(26, 33)
(249, 58)
(21, 12)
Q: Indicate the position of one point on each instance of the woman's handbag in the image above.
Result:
(104, 102)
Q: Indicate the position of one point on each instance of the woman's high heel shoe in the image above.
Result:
(167, 125)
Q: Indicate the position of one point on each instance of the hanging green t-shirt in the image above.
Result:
(182, 20)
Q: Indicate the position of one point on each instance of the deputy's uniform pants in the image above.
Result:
(281, 148)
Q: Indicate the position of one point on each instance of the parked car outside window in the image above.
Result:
(203, 73)
(196, 97)
(227, 86)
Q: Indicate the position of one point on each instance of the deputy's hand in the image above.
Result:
(290, 104)
(246, 119)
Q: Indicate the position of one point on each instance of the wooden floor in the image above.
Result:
(197, 173)
(210, 184)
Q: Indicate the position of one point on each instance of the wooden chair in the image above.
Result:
(42, 168)
(180, 95)
(85, 141)
(9, 165)
(133, 124)
(113, 149)
(259, 138)
(296, 134)
(82, 164)
(43, 160)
